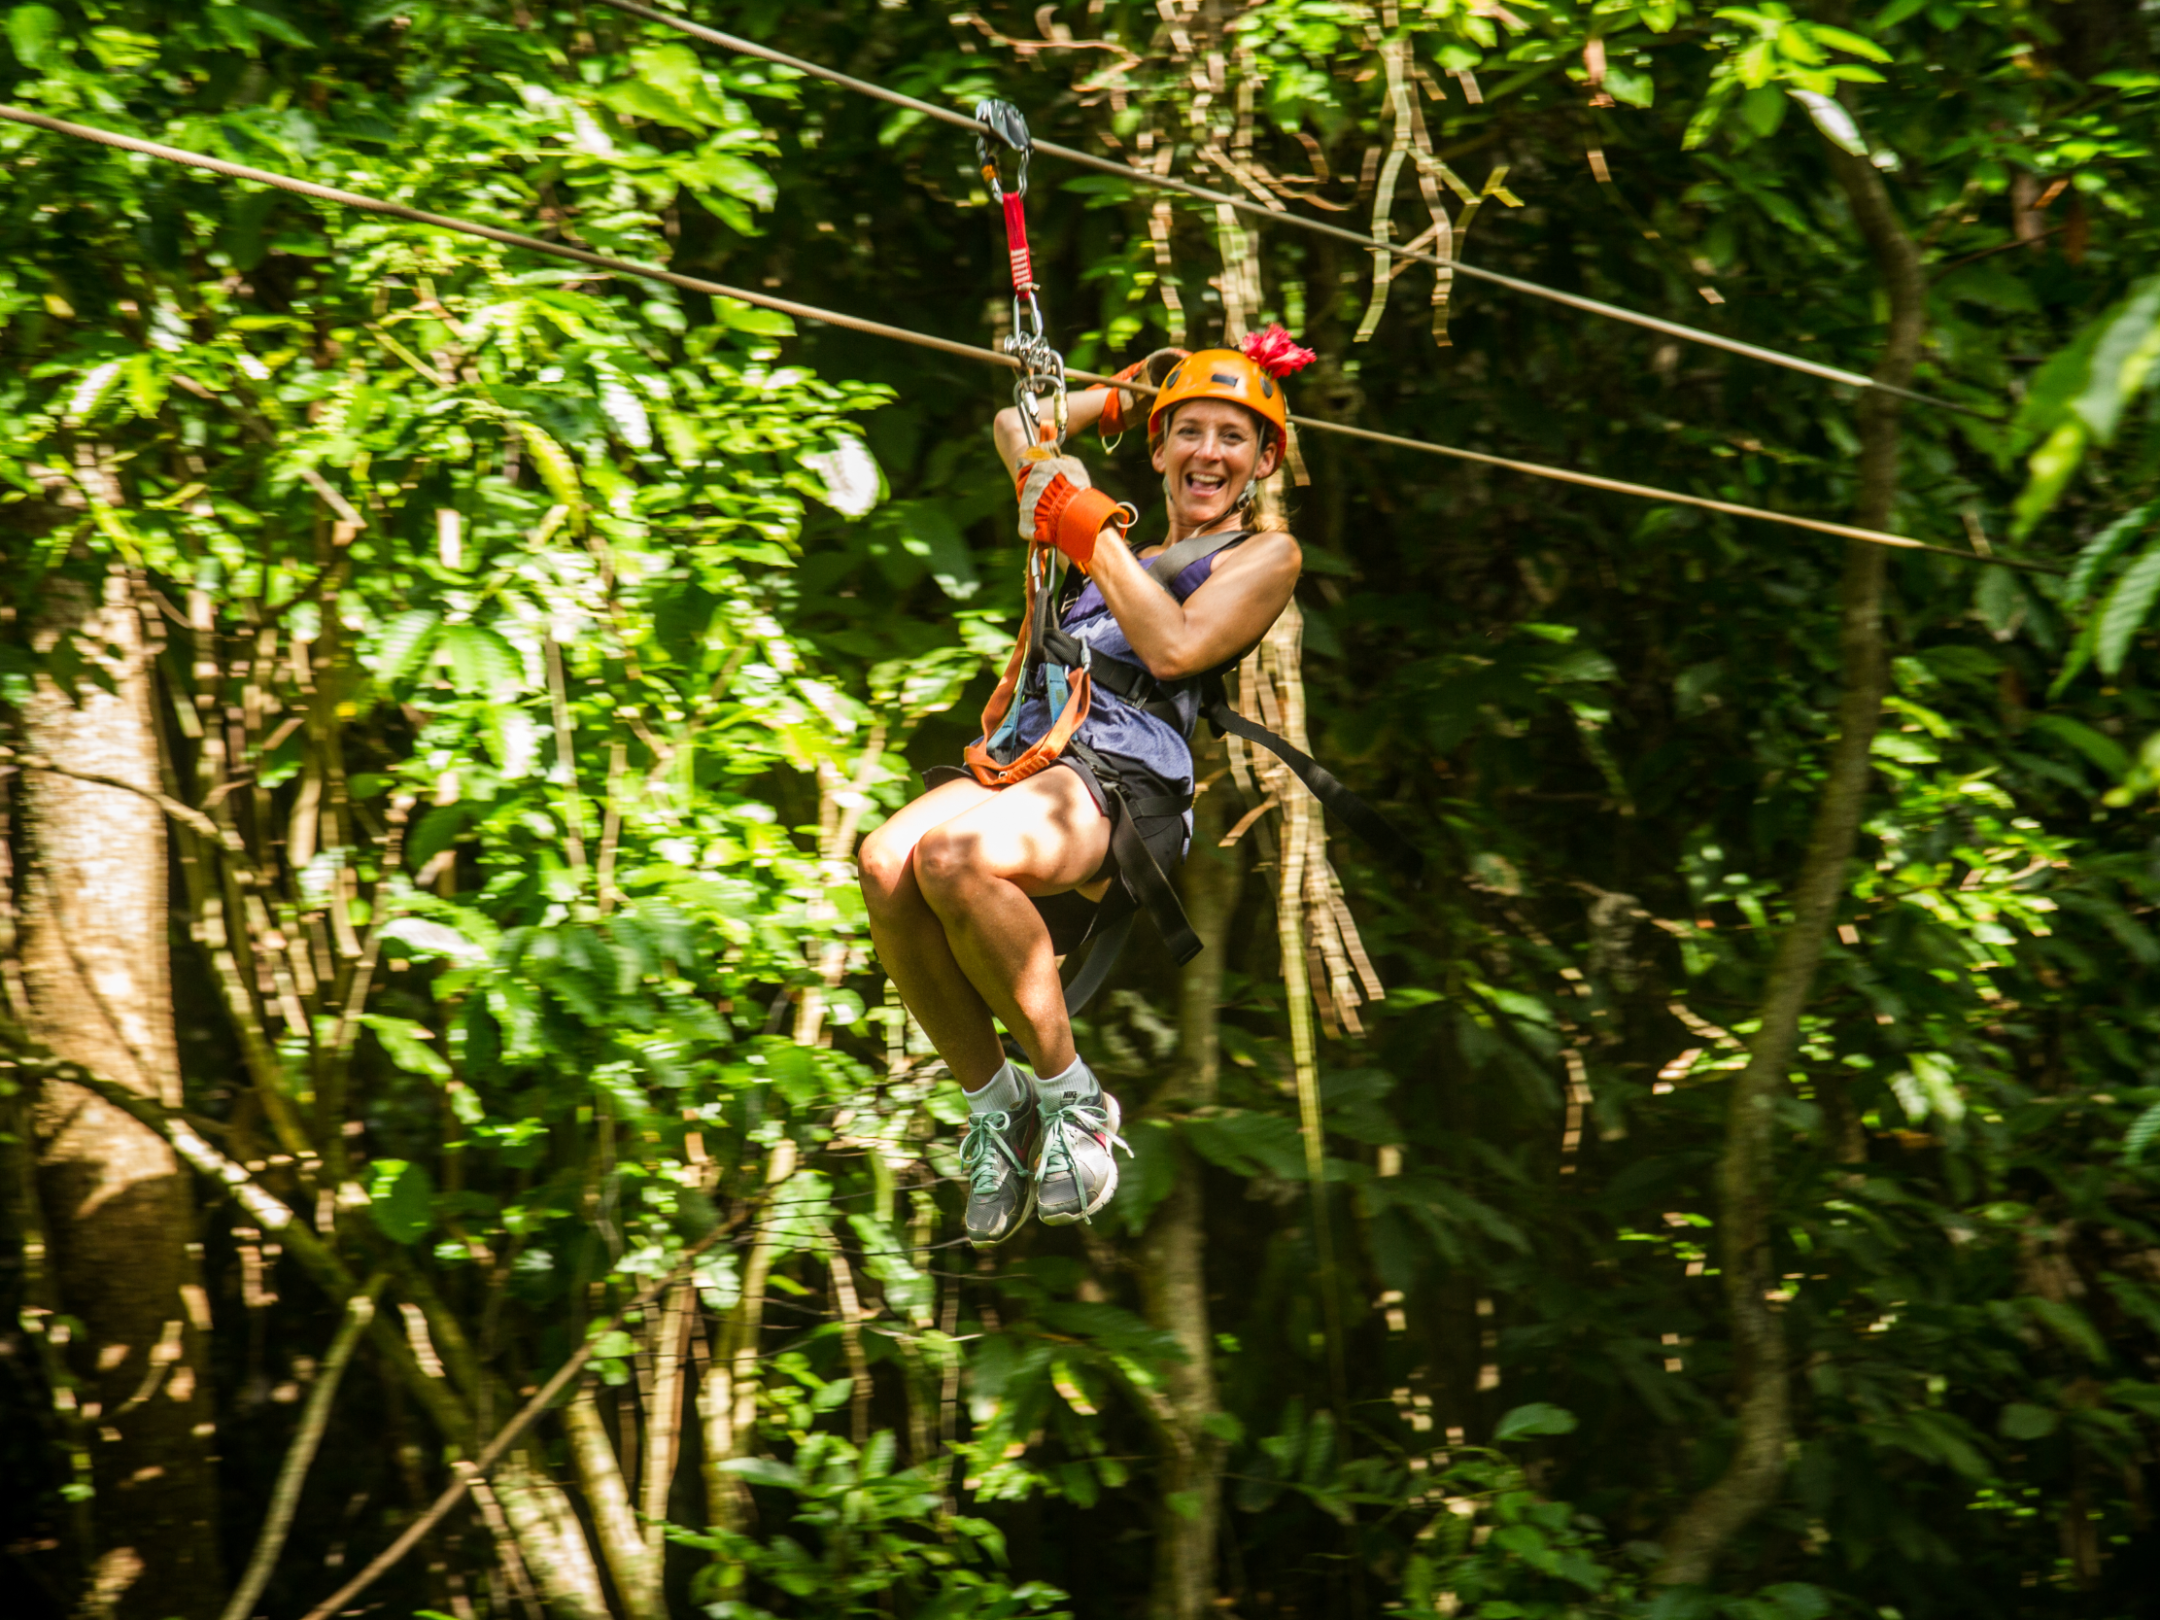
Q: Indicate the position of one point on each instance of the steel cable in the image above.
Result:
(968, 351)
(1320, 227)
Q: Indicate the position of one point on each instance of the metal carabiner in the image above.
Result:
(1005, 121)
(1027, 333)
(1042, 379)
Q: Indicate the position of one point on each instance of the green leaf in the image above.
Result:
(2103, 750)
(2070, 1325)
(1538, 1417)
(482, 663)
(1796, 1600)
(1247, 1143)
(2022, 1422)
(741, 317)
(1763, 109)
(1951, 1440)
(2122, 361)
(97, 383)
(401, 1197)
(2140, 1134)
(407, 1044)
(729, 176)
(1630, 87)
(422, 938)
(557, 471)
(1148, 1179)
(1844, 40)
(2049, 470)
(30, 29)
(146, 384)
(438, 830)
(2102, 549)
(405, 641)
(762, 1471)
(2127, 608)
(925, 530)
(1896, 12)
(265, 21)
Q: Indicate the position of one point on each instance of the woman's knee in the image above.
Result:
(883, 864)
(948, 860)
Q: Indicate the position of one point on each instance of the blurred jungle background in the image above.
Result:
(442, 690)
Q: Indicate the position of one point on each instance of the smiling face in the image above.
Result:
(1208, 454)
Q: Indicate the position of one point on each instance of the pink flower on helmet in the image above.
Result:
(1276, 352)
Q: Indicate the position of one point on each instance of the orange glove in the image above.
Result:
(1125, 407)
(1059, 507)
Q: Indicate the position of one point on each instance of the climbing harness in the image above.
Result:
(1069, 670)
(968, 351)
(1271, 210)
(1143, 885)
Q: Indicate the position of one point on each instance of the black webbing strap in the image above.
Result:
(1138, 874)
(1128, 680)
(1141, 884)
(1361, 817)
(1173, 560)
(1105, 944)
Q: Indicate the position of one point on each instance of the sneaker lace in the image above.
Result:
(1060, 1128)
(981, 1147)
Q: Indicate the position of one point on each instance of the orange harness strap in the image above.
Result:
(1041, 755)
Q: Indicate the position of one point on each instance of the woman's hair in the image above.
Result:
(1270, 509)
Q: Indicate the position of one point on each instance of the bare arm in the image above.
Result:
(1082, 411)
(1244, 595)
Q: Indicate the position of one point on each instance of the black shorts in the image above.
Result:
(1071, 914)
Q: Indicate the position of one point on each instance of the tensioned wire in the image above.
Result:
(968, 351)
(1275, 212)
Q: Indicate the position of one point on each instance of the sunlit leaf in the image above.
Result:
(2126, 610)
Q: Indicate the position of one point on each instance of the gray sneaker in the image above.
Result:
(995, 1154)
(1077, 1173)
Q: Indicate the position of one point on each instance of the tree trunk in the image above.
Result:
(551, 1539)
(1746, 1172)
(727, 1397)
(1173, 1278)
(631, 1560)
(120, 1209)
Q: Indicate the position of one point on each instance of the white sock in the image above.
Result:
(1005, 1090)
(1076, 1084)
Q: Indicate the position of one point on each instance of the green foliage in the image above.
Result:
(870, 1540)
(541, 639)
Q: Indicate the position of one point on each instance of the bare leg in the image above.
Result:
(977, 872)
(911, 941)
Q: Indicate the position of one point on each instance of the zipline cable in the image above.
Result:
(968, 351)
(1141, 177)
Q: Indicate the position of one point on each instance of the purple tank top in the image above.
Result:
(1114, 728)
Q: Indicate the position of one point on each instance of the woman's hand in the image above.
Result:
(1060, 507)
(1126, 406)
(1014, 440)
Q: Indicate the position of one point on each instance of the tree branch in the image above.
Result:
(300, 1456)
(186, 814)
(1746, 1172)
(508, 1435)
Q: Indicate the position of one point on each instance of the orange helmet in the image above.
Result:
(1220, 374)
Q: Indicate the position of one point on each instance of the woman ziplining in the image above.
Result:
(1076, 800)
(976, 888)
